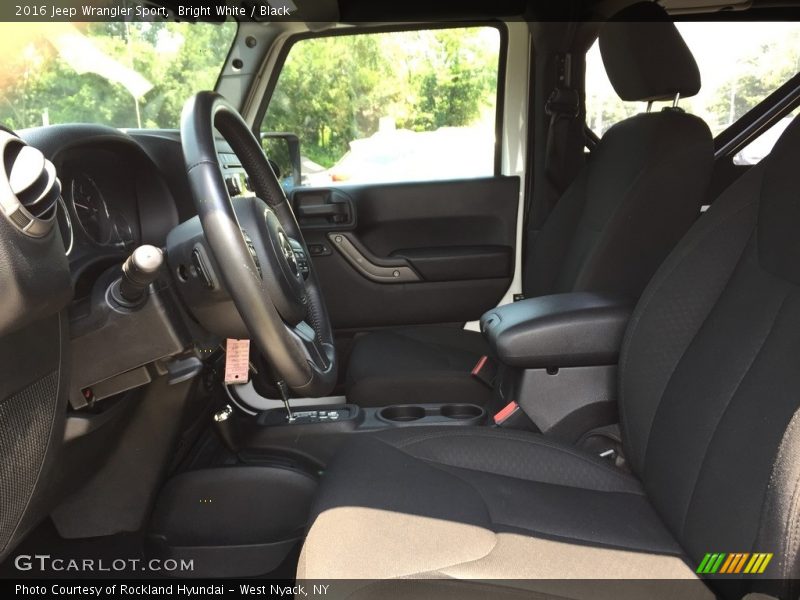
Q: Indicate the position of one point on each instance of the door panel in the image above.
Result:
(411, 253)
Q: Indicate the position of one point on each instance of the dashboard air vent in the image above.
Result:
(29, 187)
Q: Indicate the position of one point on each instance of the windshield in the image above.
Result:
(118, 74)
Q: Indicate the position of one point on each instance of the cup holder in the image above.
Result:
(431, 414)
(461, 411)
(403, 414)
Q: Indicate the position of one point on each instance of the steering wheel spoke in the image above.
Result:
(317, 352)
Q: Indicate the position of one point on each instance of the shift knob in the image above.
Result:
(138, 272)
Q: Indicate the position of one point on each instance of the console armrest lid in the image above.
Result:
(561, 330)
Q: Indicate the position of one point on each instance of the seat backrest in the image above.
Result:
(645, 182)
(710, 373)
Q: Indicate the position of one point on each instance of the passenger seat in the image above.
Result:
(629, 206)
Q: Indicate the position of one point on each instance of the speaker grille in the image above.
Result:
(25, 421)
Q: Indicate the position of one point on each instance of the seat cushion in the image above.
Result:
(477, 503)
(416, 365)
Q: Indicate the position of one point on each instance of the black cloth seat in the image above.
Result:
(709, 393)
(484, 504)
(629, 206)
(401, 366)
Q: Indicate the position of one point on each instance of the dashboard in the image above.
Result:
(99, 204)
(114, 198)
(74, 366)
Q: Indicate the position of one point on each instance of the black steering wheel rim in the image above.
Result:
(300, 354)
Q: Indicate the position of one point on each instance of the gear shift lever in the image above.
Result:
(138, 272)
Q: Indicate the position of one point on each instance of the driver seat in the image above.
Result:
(709, 391)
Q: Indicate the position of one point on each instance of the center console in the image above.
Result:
(558, 357)
(350, 416)
(314, 433)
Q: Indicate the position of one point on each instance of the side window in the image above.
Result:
(389, 107)
(740, 65)
(763, 144)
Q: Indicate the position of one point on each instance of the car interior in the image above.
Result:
(572, 371)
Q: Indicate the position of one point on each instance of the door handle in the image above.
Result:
(338, 211)
(322, 208)
(370, 266)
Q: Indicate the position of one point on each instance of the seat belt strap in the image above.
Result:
(563, 108)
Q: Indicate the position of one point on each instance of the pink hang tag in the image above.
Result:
(237, 361)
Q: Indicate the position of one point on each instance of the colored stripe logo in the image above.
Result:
(734, 563)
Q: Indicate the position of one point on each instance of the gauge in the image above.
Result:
(123, 234)
(91, 210)
(64, 225)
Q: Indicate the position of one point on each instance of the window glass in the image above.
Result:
(122, 74)
(402, 106)
(763, 144)
(740, 65)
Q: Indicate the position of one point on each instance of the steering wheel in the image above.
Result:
(259, 249)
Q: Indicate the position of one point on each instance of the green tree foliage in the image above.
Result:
(331, 90)
(178, 59)
(335, 89)
(756, 78)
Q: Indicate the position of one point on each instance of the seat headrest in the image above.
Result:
(645, 56)
(779, 208)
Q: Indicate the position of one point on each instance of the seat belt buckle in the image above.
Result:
(506, 413)
(485, 371)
